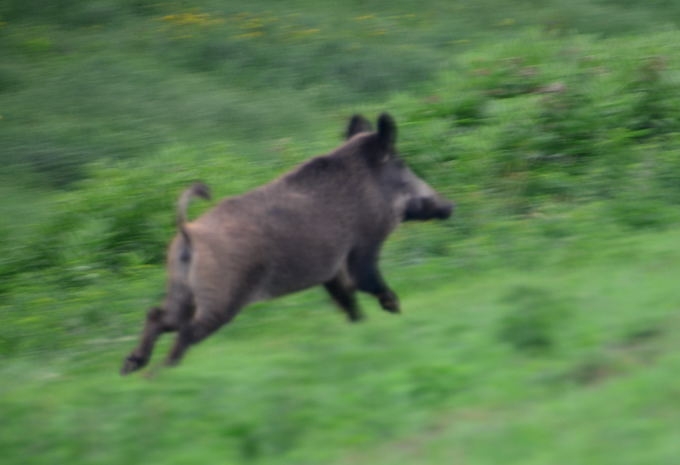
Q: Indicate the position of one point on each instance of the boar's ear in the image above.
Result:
(356, 125)
(387, 131)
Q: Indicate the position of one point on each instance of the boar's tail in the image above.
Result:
(198, 189)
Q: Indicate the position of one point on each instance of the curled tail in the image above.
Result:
(198, 189)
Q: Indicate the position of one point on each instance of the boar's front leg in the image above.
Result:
(342, 291)
(364, 270)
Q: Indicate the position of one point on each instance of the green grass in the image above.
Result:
(291, 382)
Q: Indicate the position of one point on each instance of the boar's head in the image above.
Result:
(411, 197)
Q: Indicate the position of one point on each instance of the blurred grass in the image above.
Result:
(118, 79)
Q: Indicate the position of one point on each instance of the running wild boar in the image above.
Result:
(321, 224)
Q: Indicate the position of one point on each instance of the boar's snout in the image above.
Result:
(444, 210)
(428, 208)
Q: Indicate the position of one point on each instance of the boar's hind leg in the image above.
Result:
(342, 291)
(214, 309)
(206, 321)
(367, 276)
(157, 322)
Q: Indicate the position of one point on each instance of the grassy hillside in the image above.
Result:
(82, 80)
(538, 323)
(565, 364)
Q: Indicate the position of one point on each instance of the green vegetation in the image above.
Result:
(539, 323)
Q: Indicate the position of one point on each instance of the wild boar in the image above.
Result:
(321, 224)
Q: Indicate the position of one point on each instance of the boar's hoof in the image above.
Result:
(132, 363)
(389, 302)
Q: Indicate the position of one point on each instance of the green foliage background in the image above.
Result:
(538, 323)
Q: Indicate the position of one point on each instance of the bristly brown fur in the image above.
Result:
(323, 223)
